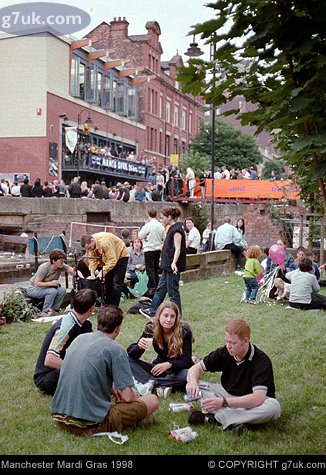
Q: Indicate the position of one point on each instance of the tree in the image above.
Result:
(275, 56)
(232, 148)
(278, 168)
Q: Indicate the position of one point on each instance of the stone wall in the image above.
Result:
(52, 216)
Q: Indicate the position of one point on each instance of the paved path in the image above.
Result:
(10, 287)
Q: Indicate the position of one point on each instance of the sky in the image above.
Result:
(175, 18)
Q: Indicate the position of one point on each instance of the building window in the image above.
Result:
(92, 90)
(190, 122)
(161, 106)
(77, 80)
(175, 146)
(107, 92)
(176, 115)
(167, 145)
(132, 103)
(114, 95)
(99, 89)
(184, 113)
(121, 90)
(168, 111)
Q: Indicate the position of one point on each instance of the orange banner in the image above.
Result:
(256, 189)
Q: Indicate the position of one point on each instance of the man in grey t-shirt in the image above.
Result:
(95, 368)
(45, 284)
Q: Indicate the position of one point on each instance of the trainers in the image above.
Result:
(239, 429)
(253, 302)
(144, 389)
(145, 313)
(197, 417)
(164, 391)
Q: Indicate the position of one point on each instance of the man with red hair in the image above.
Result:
(246, 394)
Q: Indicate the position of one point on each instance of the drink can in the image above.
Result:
(3, 321)
(184, 435)
(178, 407)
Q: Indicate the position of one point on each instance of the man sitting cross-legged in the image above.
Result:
(246, 394)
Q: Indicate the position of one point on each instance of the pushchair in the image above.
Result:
(96, 284)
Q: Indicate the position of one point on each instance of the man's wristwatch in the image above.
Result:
(225, 403)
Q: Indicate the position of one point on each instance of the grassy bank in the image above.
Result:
(294, 340)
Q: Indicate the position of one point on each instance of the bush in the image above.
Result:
(15, 308)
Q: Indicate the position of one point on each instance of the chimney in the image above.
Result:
(119, 27)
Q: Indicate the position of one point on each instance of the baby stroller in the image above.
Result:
(96, 284)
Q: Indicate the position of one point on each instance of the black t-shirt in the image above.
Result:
(168, 249)
(239, 379)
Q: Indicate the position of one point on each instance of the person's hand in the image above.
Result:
(212, 404)
(116, 393)
(90, 277)
(192, 388)
(160, 368)
(145, 343)
(174, 268)
(55, 283)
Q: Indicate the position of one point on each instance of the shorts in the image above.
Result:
(120, 416)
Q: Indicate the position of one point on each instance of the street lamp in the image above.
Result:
(193, 52)
(87, 121)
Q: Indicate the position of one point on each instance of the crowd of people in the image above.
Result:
(123, 380)
(162, 184)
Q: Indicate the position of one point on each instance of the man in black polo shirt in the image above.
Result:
(59, 338)
(246, 394)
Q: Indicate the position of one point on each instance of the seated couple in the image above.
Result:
(171, 338)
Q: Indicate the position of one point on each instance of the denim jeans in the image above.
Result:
(53, 296)
(168, 284)
(141, 371)
(252, 287)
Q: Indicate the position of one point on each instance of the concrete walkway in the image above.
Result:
(8, 288)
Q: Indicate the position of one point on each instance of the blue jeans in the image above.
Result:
(53, 296)
(252, 287)
(168, 284)
(141, 371)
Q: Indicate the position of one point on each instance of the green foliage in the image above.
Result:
(232, 148)
(15, 308)
(293, 339)
(197, 161)
(200, 217)
(275, 56)
(278, 168)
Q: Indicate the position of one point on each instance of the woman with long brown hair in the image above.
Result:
(171, 339)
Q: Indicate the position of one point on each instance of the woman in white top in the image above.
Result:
(191, 180)
(304, 287)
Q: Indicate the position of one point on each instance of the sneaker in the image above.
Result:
(164, 391)
(239, 429)
(144, 389)
(197, 417)
(146, 313)
(253, 302)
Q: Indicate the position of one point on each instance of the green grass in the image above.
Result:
(294, 340)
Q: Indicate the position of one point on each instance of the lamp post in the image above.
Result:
(88, 121)
(193, 52)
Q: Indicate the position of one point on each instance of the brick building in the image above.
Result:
(51, 83)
